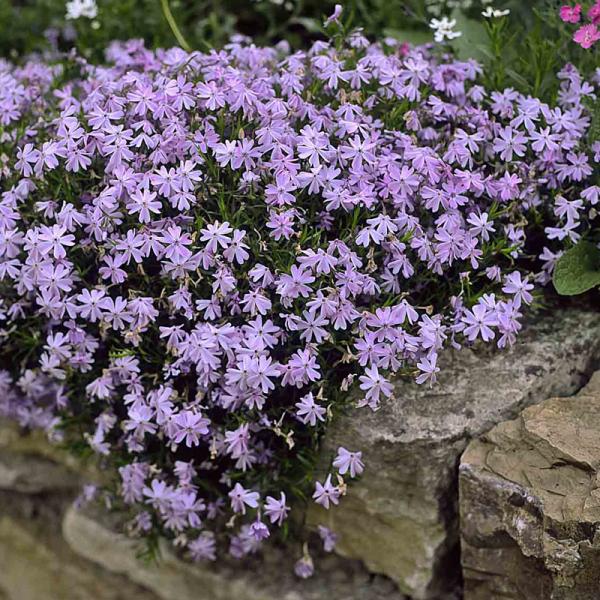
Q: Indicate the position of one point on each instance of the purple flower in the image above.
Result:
(519, 288)
(428, 367)
(144, 204)
(510, 142)
(159, 494)
(260, 370)
(276, 510)
(479, 322)
(335, 16)
(140, 420)
(329, 538)
(259, 530)
(216, 236)
(347, 461)
(89, 301)
(304, 567)
(188, 427)
(308, 411)
(203, 547)
(326, 494)
(54, 239)
(375, 385)
(241, 498)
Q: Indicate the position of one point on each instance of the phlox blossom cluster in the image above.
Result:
(206, 257)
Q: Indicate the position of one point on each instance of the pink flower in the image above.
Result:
(594, 13)
(586, 36)
(570, 14)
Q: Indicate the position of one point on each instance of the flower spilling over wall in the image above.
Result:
(204, 258)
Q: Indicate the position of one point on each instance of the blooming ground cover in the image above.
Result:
(207, 257)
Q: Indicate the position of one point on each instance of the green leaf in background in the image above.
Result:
(594, 108)
(311, 25)
(474, 39)
(411, 36)
(517, 78)
(577, 270)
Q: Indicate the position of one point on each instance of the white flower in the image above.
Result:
(444, 29)
(81, 8)
(494, 13)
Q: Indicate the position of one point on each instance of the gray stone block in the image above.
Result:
(268, 577)
(36, 564)
(530, 504)
(401, 517)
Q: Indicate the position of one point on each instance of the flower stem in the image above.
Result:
(173, 25)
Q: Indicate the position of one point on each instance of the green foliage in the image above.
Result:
(594, 108)
(523, 50)
(578, 270)
(527, 48)
(474, 39)
(24, 24)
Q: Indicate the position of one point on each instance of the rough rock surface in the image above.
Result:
(401, 518)
(530, 504)
(50, 551)
(32, 474)
(36, 564)
(29, 464)
(267, 578)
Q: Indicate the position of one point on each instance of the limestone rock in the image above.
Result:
(33, 474)
(33, 567)
(30, 464)
(530, 504)
(267, 578)
(401, 518)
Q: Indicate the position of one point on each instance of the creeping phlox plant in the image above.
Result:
(204, 258)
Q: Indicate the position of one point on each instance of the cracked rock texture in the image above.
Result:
(530, 504)
(401, 518)
(29, 464)
(37, 564)
(268, 577)
(50, 551)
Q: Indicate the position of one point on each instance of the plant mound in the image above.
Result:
(204, 258)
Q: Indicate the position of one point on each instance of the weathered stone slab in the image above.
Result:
(401, 518)
(33, 474)
(30, 464)
(530, 504)
(35, 564)
(269, 577)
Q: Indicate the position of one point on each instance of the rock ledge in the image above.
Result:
(530, 504)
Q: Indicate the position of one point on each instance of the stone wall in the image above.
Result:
(49, 550)
(399, 525)
(401, 519)
(530, 503)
